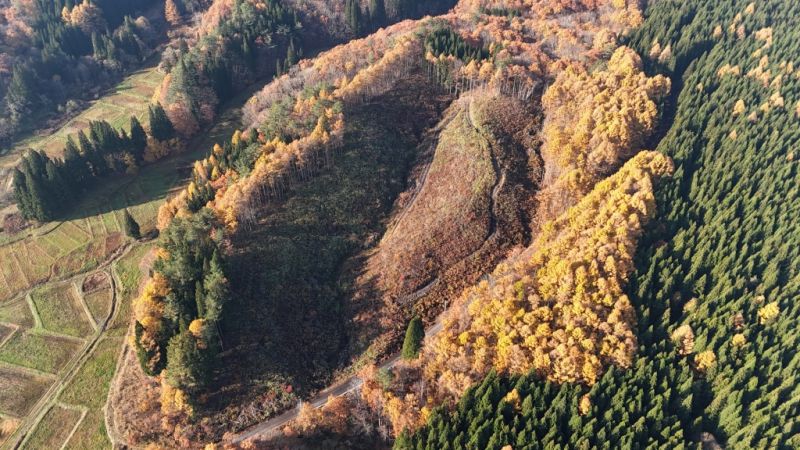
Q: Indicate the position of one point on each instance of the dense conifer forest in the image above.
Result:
(715, 279)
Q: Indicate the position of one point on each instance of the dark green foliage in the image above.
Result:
(412, 344)
(160, 126)
(234, 55)
(442, 40)
(725, 244)
(188, 366)
(198, 289)
(131, 226)
(45, 187)
(377, 13)
(352, 14)
(138, 139)
(64, 62)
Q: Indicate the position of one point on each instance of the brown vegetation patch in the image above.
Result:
(95, 281)
(457, 220)
(20, 391)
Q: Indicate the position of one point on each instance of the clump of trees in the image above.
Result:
(178, 314)
(45, 186)
(55, 49)
(240, 47)
(595, 122)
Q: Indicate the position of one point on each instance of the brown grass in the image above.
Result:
(53, 429)
(20, 391)
(471, 210)
(17, 312)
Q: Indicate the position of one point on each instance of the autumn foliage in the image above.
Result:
(594, 122)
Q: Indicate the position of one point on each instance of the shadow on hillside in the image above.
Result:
(287, 318)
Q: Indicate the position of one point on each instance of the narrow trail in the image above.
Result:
(50, 396)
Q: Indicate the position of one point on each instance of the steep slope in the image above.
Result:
(468, 205)
(714, 281)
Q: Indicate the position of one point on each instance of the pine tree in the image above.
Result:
(413, 341)
(187, 364)
(377, 12)
(161, 128)
(138, 139)
(20, 94)
(131, 226)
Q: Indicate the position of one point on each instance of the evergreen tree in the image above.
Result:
(412, 344)
(137, 139)
(187, 365)
(131, 226)
(377, 12)
(161, 128)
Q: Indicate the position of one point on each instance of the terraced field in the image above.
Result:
(65, 293)
(129, 98)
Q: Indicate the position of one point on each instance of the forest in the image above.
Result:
(714, 281)
(55, 49)
(427, 225)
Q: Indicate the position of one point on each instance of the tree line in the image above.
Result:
(45, 187)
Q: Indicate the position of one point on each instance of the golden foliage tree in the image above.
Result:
(559, 307)
(594, 122)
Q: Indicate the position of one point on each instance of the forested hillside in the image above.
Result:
(715, 278)
(473, 224)
(55, 52)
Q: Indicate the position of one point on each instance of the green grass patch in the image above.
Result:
(129, 275)
(20, 391)
(38, 351)
(17, 312)
(99, 303)
(89, 387)
(53, 429)
(91, 433)
(61, 311)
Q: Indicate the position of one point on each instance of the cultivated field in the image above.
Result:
(65, 294)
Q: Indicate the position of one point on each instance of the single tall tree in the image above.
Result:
(131, 226)
(377, 12)
(172, 13)
(160, 126)
(138, 139)
(413, 341)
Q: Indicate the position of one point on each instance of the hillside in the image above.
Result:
(403, 224)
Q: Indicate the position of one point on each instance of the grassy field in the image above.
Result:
(54, 428)
(41, 352)
(88, 389)
(61, 311)
(129, 98)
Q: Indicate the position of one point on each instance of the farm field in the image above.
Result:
(65, 298)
